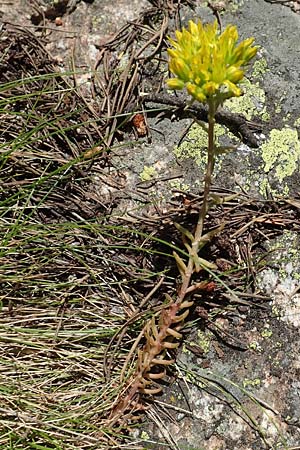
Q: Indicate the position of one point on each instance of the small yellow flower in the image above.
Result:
(207, 63)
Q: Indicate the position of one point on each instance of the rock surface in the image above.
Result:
(241, 396)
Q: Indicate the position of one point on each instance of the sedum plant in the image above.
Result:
(209, 65)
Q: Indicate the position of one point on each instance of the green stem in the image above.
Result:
(212, 108)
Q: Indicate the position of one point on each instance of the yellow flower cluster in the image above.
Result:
(207, 63)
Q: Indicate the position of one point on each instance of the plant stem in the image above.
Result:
(212, 108)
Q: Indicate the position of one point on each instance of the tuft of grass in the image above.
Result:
(65, 275)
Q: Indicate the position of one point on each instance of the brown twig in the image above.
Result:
(236, 123)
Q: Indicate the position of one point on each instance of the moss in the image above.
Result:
(148, 173)
(281, 152)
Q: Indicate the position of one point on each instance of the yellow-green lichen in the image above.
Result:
(174, 399)
(281, 152)
(144, 435)
(179, 185)
(249, 178)
(195, 145)
(266, 190)
(203, 341)
(148, 173)
(285, 251)
(266, 332)
(186, 350)
(275, 312)
(251, 103)
(253, 383)
(255, 346)
(297, 123)
(276, 362)
(264, 187)
(260, 67)
(234, 5)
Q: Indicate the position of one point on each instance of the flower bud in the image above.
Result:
(207, 63)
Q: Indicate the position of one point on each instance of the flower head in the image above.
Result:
(207, 63)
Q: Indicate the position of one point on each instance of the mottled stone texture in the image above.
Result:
(239, 399)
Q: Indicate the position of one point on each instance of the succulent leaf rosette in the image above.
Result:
(208, 63)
